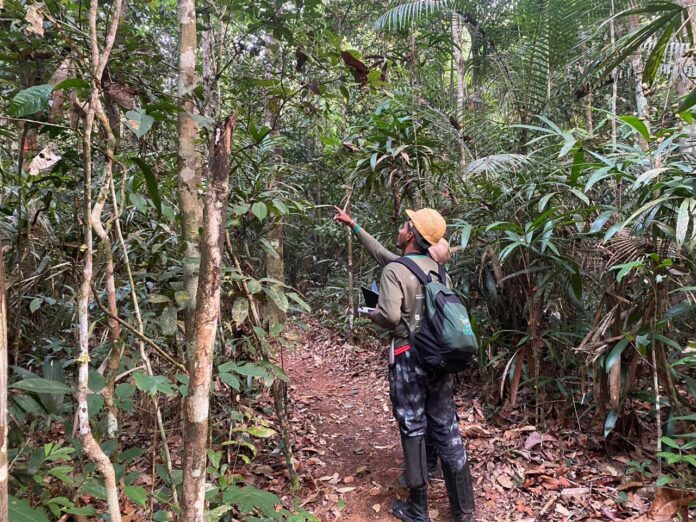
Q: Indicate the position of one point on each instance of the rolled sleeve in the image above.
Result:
(390, 298)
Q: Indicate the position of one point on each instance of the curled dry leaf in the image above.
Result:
(536, 438)
(35, 20)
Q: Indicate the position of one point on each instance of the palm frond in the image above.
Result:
(494, 164)
(407, 13)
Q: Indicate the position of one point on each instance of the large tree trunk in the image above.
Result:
(189, 180)
(206, 319)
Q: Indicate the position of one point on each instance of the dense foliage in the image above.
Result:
(556, 137)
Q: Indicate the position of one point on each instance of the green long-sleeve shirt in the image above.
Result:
(401, 296)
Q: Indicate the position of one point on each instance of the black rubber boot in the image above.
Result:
(460, 490)
(431, 462)
(416, 509)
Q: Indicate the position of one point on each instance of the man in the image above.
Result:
(382, 256)
(420, 401)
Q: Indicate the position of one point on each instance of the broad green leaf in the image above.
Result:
(688, 102)
(138, 201)
(667, 441)
(610, 422)
(582, 197)
(250, 370)
(663, 481)
(139, 122)
(63, 473)
(254, 286)
(137, 494)
(260, 210)
(35, 304)
(150, 183)
(72, 83)
(153, 384)
(615, 354)
(158, 298)
(124, 390)
(278, 297)
(638, 125)
(282, 207)
(30, 101)
(683, 217)
(240, 210)
(601, 221)
(214, 514)
(21, 511)
(39, 385)
(260, 431)
(625, 268)
(230, 380)
(240, 310)
(248, 498)
(303, 304)
(466, 234)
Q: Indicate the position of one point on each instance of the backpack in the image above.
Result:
(444, 341)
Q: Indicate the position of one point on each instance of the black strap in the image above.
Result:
(414, 268)
(418, 272)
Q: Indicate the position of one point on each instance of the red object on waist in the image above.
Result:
(402, 349)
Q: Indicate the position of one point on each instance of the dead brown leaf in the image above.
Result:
(668, 502)
(35, 20)
(537, 438)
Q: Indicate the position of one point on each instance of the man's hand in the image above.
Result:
(343, 217)
(373, 314)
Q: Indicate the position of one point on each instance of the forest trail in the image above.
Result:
(346, 438)
(349, 438)
(349, 455)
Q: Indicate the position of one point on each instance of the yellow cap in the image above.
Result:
(429, 224)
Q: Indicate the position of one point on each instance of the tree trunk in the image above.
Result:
(4, 505)
(683, 84)
(189, 177)
(642, 107)
(206, 319)
(461, 87)
(91, 448)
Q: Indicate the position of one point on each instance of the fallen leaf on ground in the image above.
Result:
(537, 438)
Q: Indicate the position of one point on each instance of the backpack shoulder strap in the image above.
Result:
(442, 274)
(414, 268)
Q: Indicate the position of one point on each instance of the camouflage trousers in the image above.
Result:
(423, 405)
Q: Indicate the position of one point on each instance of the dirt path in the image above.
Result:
(340, 396)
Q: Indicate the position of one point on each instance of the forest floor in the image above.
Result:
(349, 455)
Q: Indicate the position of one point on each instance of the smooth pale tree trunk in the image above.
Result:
(189, 176)
(4, 504)
(98, 61)
(197, 403)
(461, 86)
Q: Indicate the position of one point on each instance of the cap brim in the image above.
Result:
(410, 213)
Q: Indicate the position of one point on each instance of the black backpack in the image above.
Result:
(444, 340)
